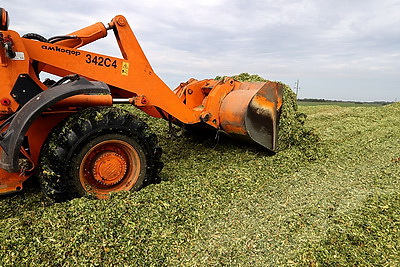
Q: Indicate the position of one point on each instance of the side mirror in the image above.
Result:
(4, 20)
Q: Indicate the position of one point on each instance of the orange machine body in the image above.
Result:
(248, 110)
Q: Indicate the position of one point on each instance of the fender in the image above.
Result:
(11, 139)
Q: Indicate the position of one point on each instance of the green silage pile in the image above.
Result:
(232, 205)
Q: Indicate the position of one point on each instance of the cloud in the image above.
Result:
(338, 49)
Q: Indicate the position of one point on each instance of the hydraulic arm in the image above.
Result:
(32, 110)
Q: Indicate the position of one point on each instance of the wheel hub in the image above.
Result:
(109, 168)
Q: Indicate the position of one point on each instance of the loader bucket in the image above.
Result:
(252, 112)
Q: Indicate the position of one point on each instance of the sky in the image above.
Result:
(337, 49)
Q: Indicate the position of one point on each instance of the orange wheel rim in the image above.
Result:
(110, 166)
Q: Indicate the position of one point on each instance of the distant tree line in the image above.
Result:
(319, 100)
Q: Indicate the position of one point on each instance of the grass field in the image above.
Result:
(332, 202)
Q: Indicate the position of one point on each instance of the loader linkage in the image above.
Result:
(47, 121)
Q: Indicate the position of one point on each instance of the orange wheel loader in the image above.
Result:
(69, 133)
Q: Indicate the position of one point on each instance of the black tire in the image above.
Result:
(74, 158)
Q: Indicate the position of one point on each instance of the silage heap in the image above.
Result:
(162, 224)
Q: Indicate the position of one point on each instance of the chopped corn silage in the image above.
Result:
(231, 205)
